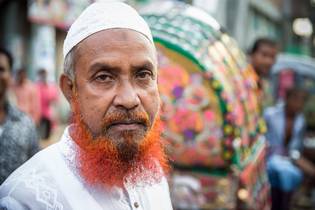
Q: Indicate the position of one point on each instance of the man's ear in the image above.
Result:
(67, 87)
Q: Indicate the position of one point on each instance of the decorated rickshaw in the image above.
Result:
(210, 112)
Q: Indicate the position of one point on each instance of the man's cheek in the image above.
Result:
(92, 119)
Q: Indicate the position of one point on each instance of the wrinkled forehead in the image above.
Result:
(115, 40)
(267, 48)
(119, 35)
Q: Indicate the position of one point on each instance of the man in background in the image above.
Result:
(18, 139)
(27, 96)
(48, 94)
(262, 56)
(285, 134)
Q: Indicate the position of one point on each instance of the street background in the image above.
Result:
(34, 31)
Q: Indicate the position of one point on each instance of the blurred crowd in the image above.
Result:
(26, 114)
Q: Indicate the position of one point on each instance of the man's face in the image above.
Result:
(295, 102)
(116, 80)
(263, 59)
(4, 74)
(42, 76)
(21, 76)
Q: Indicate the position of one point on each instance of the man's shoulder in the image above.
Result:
(19, 121)
(16, 114)
(30, 183)
(35, 165)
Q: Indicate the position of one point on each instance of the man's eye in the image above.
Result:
(103, 78)
(144, 75)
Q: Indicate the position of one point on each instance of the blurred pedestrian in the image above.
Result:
(262, 56)
(27, 96)
(48, 94)
(112, 156)
(18, 139)
(285, 162)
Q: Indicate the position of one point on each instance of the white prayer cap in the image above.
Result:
(102, 15)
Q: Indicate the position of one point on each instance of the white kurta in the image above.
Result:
(48, 182)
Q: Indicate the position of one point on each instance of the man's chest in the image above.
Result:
(150, 198)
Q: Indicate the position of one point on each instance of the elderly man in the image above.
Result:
(111, 157)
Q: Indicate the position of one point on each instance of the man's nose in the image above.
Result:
(126, 96)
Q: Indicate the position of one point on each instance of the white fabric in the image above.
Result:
(103, 15)
(1, 130)
(48, 181)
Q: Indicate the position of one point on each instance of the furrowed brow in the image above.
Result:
(145, 65)
(103, 67)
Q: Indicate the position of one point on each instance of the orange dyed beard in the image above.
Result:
(102, 162)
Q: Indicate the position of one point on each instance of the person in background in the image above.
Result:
(18, 139)
(27, 96)
(48, 94)
(262, 56)
(285, 162)
(112, 156)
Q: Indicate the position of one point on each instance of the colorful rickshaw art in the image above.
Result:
(209, 111)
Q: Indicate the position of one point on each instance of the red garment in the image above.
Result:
(27, 99)
(48, 94)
